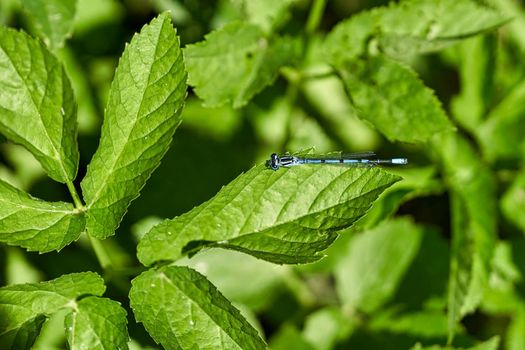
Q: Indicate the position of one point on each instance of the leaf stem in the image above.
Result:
(74, 195)
(100, 252)
(314, 18)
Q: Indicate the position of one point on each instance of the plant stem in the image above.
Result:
(74, 195)
(314, 18)
(100, 252)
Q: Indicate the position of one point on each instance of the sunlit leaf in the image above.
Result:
(35, 224)
(181, 309)
(284, 216)
(37, 106)
(142, 114)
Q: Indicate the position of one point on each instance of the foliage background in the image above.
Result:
(480, 84)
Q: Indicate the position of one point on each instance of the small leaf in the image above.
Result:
(181, 309)
(97, 323)
(366, 276)
(35, 224)
(394, 100)
(285, 216)
(23, 306)
(52, 19)
(235, 62)
(37, 105)
(142, 114)
(473, 224)
(267, 14)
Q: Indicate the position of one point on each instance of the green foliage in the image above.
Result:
(365, 276)
(37, 104)
(52, 19)
(35, 224)
(312, 256)
(143, 110)
(271, 215)
(24, 307)
(182, 310)
(393, 99)
(249, 62)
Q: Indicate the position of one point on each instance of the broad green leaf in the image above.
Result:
(236, 62)
(473, 206)
(35, 224)
(97, 323)
(24, 307)
(513, 202)
(37, 105)
(229, 270)
(52, 19)
(392, 98)
(181, 309)
(410, 27)
(285, 216)
(501, 136)
(366, 277)
(267, 14)
(491, 344)
(143, 111)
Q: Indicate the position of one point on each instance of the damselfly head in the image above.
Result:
(274, 162)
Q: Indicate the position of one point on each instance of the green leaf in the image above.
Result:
(501, 136)
(491, 344)
(366, 277)
(416, 26)
(409, 27)
(394, 100)
(97, 323)
(267, 14)
(236, 62)
(24, 307)
(476, 68)
(473, 205)
(181, 309)
(229, 270)
(37, 105)
(143, 112)
(285, 216)
(35, 224)
(52, 19)
(513, 202)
